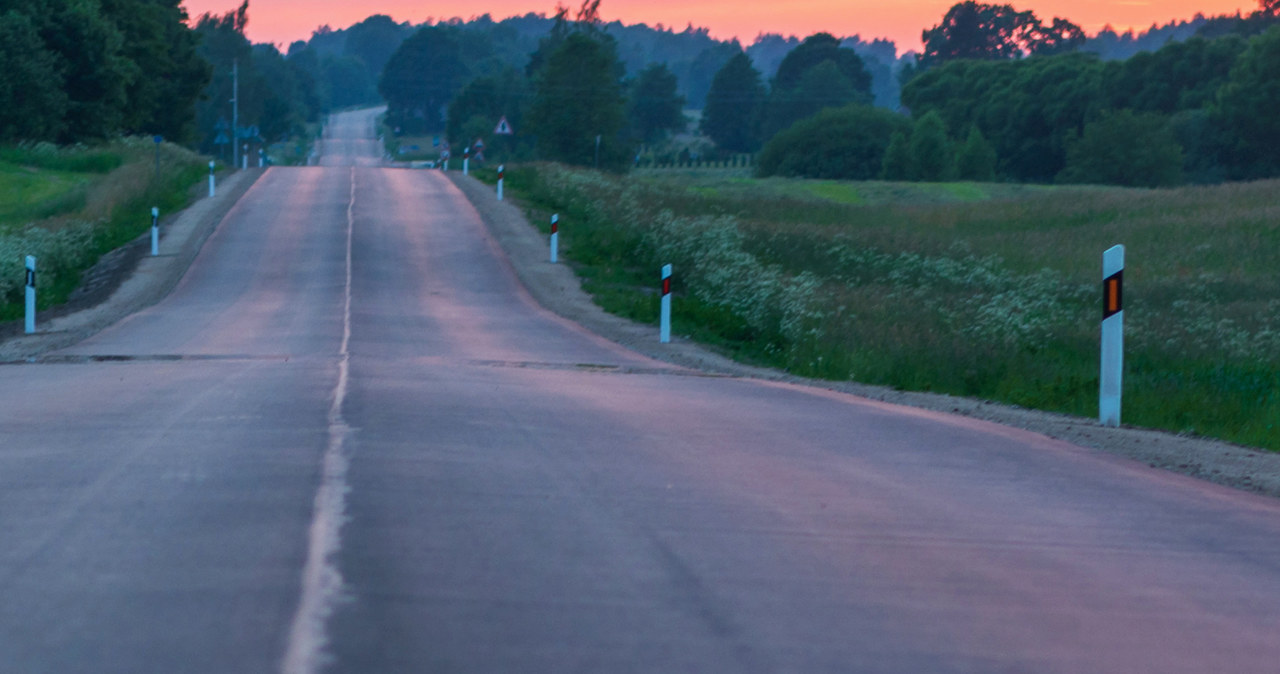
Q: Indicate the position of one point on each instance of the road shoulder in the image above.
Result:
(559, 290)
(128, 279)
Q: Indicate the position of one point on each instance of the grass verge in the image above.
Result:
(112, 190)
(986, 291)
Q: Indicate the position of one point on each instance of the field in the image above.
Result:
(69, 206)
(980, 290)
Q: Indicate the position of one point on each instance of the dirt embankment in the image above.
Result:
(557, 288)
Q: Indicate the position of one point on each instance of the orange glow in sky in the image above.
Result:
(283, 21)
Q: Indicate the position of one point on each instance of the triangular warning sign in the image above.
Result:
(503, 128)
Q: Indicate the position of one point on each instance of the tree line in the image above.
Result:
(73, 70)
(997, 94)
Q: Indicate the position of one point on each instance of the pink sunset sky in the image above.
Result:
(283, 21)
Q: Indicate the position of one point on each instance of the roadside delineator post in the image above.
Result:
(30, 324)
(664, 328)
(466, 161)
(155, 231)
(501, 175)
(212, 189)
(555, 238)
(1112, 336)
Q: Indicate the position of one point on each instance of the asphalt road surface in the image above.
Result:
(349, 442)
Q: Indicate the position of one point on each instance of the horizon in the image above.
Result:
(282, 22)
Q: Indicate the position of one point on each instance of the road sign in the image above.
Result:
(503, 128)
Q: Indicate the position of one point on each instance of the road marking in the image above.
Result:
(321, 578)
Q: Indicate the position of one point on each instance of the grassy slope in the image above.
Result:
(70, 206)
(979, 290)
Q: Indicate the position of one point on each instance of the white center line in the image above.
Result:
(321, 577)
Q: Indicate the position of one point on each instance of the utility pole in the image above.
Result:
(235, 112)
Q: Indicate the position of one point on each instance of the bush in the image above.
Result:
(1124, 148)
(846, 143)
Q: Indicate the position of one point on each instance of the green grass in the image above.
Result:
(33, 194)
(70, 206)
(981, 290)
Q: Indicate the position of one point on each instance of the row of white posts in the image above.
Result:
(664, 327)
(29, 319)
(1109, 388)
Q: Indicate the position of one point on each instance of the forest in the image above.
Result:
(995, 94)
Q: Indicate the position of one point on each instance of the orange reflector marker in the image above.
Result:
(1113, 294)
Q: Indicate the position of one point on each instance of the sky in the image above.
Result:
(284, 21)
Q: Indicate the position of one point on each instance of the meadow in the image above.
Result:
(990, 291)
(68, 206)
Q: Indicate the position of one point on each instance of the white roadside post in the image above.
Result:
(212, 189)
(31, 295)
(1112, 336)
(664, 329)
(155, 231)
(555, 238)
(501, 173)
(466, 160)
(262, 158)
(244, 157)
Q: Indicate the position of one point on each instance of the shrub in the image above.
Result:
(1124, 148)
(846, 143)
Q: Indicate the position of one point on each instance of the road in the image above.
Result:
(349, 442)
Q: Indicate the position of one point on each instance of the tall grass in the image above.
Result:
(989, 291)
(75, 159)
(112, 209)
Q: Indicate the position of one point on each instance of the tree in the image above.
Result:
(1059, 37)
(1179, 76)
(374, 40)
(1025, 108)
(932, 159)
(421, 77)
(577, 99)
(483, 102)
(653, 107)
(815, 50)
(733, 106)
(702, 70)
(30, 83)
(976, 159)
(974, 30)
(87, 51)
(1124, 148)
(847, 143)
(1247, 108)
(348, 81)
(817, 74)
(170, 73)
(897, 158)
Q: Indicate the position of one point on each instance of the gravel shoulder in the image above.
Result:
(558, 289)
(128, 279)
